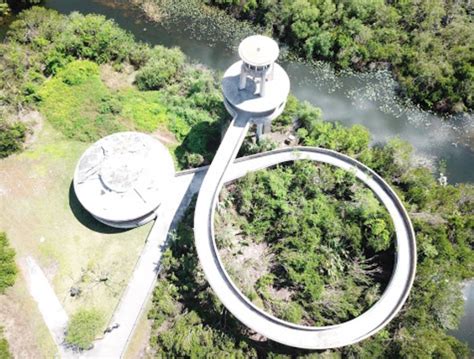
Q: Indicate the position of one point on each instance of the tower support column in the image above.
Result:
(243, 77)
(259, 131)
(267, 127)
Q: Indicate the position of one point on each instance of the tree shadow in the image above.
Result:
(203, 140)
(86, 219)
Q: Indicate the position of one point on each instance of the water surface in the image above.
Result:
(352, 98)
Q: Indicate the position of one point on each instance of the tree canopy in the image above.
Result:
(429, 44)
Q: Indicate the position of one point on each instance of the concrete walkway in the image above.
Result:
(113, 345)
(143, 279)
(355, 330)
(49, 306)
(186, 184)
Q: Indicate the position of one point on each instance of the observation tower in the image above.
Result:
(256, 85)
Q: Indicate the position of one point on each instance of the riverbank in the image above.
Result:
(428, 47)
(179, 304)
(210, 36)
(365, 98)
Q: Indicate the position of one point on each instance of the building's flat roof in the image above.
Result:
(258, 50)
(123, 176)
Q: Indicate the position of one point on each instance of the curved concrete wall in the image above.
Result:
(223, 170)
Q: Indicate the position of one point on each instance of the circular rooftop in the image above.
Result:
(258, 50)
(123, 177)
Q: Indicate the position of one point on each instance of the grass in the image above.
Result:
(43, 219)
(24, 329)
(145, 109)
(85, 109)
(79, 104)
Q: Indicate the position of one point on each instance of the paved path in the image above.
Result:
(50, 308)
(143, 279)
(224, 169)
(371, 321)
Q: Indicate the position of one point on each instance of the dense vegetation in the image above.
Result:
(7, 264)
(12, 137)
(83, 327)
(8, 273)
(6, 6)
(428, 43)
(443, 218)
(53, 62)
(325, 238)
(49, 58)
(4, 347)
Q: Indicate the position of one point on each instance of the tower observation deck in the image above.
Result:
(256, 85)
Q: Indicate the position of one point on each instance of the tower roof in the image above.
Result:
(258, 50)
(123, 176)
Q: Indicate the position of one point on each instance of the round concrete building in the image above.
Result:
(256, 84)
(123, 178)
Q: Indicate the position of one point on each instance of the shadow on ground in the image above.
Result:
(86, 219)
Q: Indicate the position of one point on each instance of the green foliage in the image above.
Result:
(4, 9)
(145, 109)
(11, 138)
(40, 42)
(428, 43)
(73, 101)
(190, 338)
(315, 132)
(161, 68)
(95, 38)
(4, 347)
(186, 315)
(83, 327)
(78, 72)
(76, 101)
(8, 268)
(352, 226)
(315, 220)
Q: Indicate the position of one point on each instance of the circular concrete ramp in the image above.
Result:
(222, 169)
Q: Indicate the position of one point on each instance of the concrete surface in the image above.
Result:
(278, 330)
(49, 306)
(122, 178)
(258, 50)
(249, 100)
(144, 276)
(187, 184)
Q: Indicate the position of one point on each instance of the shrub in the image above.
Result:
(83, 327)
(8, 268)
(4, 347)
(11, 138)
(95, 38)
(161, 69)
(73, 101)
(78, 72)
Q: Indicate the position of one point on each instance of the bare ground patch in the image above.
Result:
(165, 137)
(116, 80)
(245, 260)
(34, 120)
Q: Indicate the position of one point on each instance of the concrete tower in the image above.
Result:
(258, 54)
(256, 85)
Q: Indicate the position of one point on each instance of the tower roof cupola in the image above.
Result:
(258, 50)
